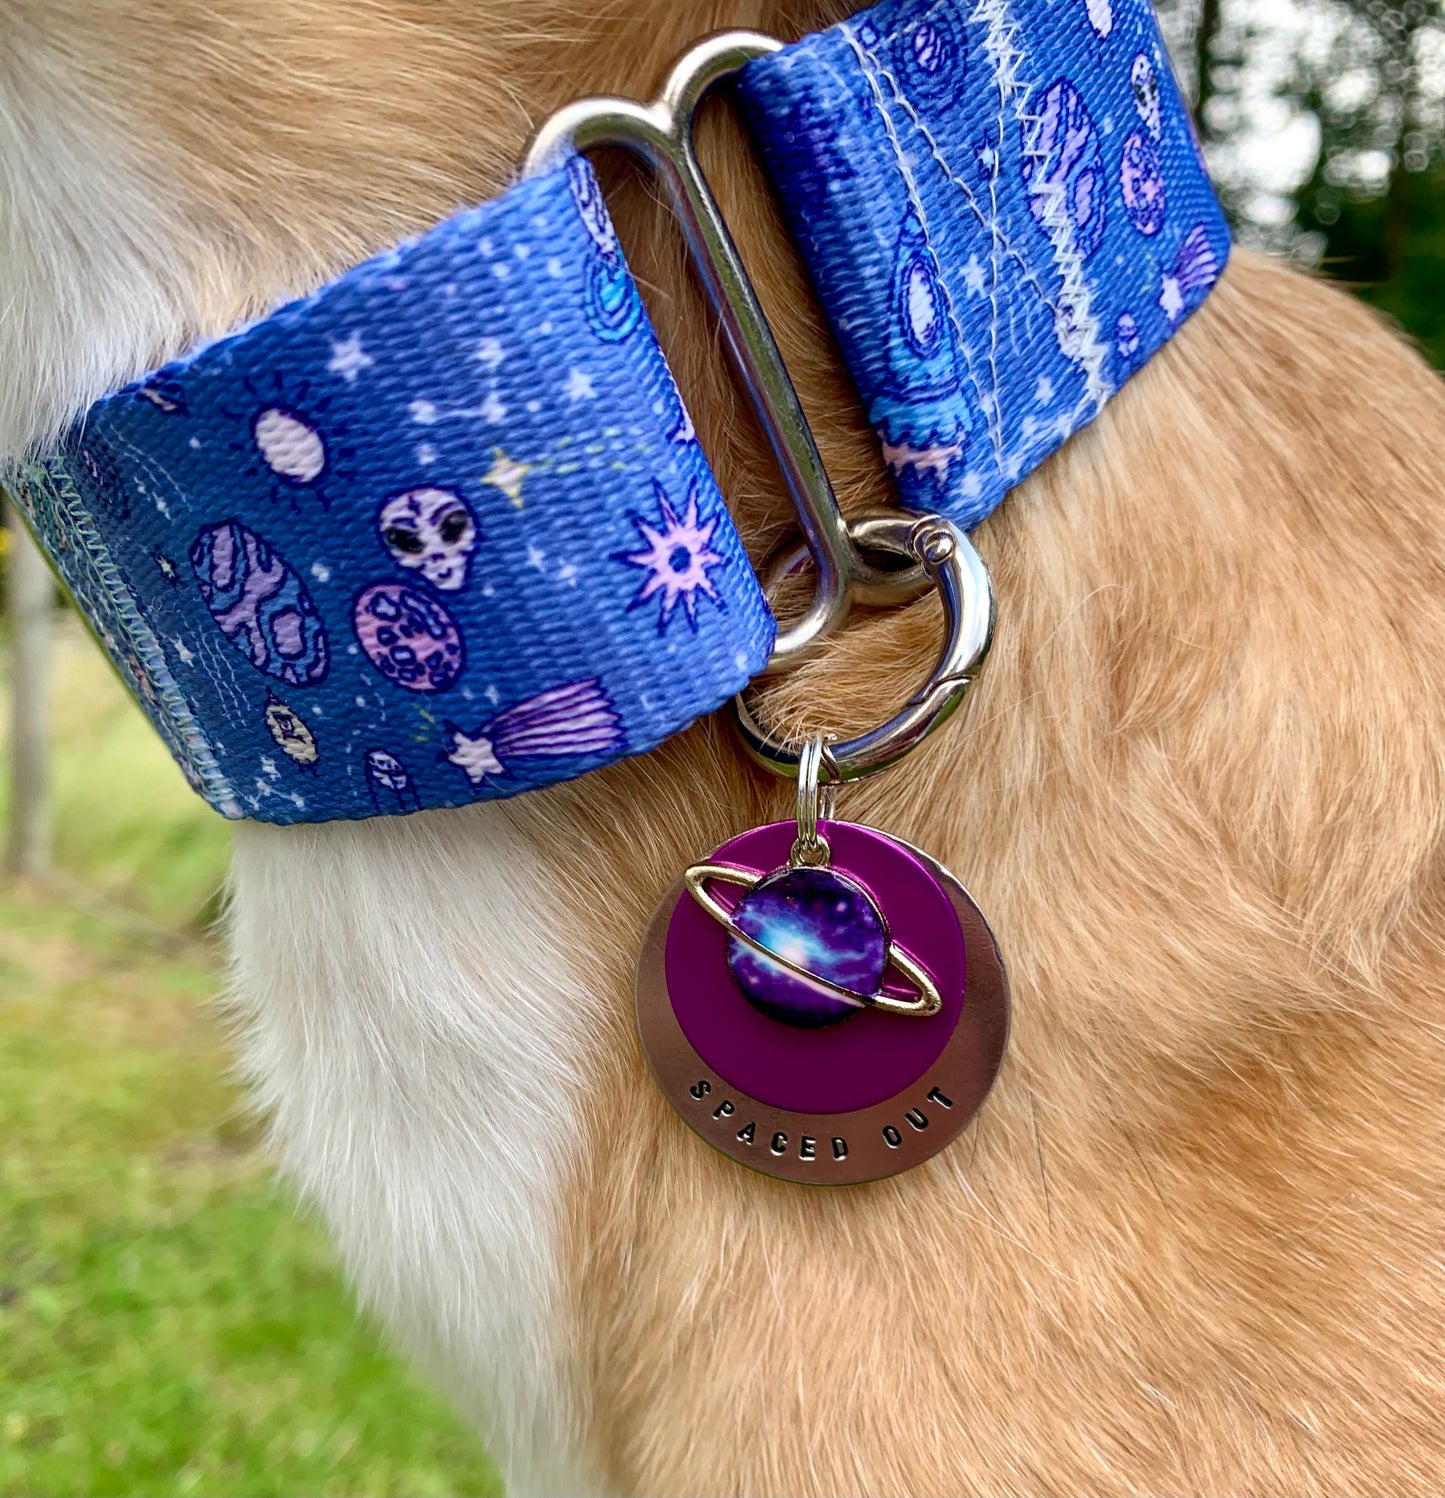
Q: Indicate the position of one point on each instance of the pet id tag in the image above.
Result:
(820, 1001)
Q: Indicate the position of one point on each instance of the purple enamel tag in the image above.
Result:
(830, 1021)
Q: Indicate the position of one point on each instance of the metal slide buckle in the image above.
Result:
(661, 133)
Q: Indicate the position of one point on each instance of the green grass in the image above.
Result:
(125, 821)
(169, 1323)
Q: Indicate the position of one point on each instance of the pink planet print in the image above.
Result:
(408, 637)
(1141, 180)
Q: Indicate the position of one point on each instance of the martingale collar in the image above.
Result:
(443, 532)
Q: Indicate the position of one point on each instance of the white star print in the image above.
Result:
(489, 351)
(974, 277)
(1171, 299)
(187, 656)
(474, 755)
(348, 358)
(492, 409)
(1044, 392)
(567, 573)
(536, 557)
(579, 387)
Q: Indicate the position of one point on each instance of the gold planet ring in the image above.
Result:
(926, 1000)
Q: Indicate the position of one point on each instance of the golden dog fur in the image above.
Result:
(1193, 1243)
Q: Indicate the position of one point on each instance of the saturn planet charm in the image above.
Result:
(799, 937)
(820, 1001)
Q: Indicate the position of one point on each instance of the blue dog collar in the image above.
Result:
(442, 531)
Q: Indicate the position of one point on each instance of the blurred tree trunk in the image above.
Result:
(1402, 71)
(30, 604)
(1206, 31)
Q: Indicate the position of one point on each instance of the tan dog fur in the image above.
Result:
(1193, 1244)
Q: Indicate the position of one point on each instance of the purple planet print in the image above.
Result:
(408, 637)
(259, 603)
(1141, 180)
(1063, 168)
(819, 921)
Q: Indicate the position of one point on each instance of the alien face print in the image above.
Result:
(432, 531)
(279, 538)
(1145, 88)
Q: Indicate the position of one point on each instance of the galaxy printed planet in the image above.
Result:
(259, 603)
(614, 307)
(408, 637)
(1141, 180)
(1063, 166)
(929, 53)
(819, 921)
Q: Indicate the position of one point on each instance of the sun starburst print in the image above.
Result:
(677, 557)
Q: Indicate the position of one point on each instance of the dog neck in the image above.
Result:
(991, 193)
(1211, 851)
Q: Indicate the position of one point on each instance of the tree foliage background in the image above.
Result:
(1324, 124)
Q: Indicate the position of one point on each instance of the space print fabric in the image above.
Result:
(443, 532)
(1004, 211)
(439, 533)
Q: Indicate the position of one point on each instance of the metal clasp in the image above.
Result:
(661, 133)
(932, 550)
(951, 564)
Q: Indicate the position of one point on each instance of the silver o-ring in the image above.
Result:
(953, 566)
